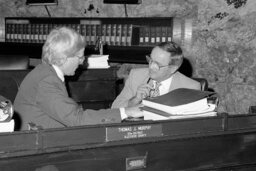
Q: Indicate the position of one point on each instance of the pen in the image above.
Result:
(148, 80)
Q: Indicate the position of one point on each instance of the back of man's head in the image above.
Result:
(175, 51)
(60, 44)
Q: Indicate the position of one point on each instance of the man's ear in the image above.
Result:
(61, 62)
(174, 68)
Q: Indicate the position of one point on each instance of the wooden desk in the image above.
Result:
(216, 143)
(93, 88)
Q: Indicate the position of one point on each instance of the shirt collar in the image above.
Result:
(164, 86)
(59, 72)
(165, 83)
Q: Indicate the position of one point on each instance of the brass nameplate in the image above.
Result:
(134, 163)
(132, 132)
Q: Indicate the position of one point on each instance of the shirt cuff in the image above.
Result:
(122, 113)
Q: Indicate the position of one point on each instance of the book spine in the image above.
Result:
(142, 36)
(118, 34)
(19, 32)
(45, 31)
(108, 33)
(12, 33)
(169, 34)
(152, 35)
(98, 31)
(8, 33)
(37, 33)
(163, 34)
(88, 34)
(83, 29)
(41, 33)
(78, 28)
(113, 34)
(123, 35)
(33, 33)
(25, 26)
(129, 35)
(15, 32)
(103, 33)
(146, 35)
(135, 35)
(94, 34)
(158, 34)
(28, 36)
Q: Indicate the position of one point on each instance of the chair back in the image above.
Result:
(203, 82)
(14, 62)
(8, 87)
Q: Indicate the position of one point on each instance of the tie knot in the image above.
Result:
(155, 92)
(157, 85)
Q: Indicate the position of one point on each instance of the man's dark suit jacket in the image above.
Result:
(43, 100)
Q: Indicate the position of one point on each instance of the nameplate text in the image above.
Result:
(132, 132)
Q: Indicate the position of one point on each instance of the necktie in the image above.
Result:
(155, 92)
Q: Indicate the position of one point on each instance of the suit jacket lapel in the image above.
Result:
(61, 83)
(147, 79)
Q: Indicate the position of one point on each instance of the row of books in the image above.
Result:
(111, 34)
(152, 35)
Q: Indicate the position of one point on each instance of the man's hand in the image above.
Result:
(133, 112)
(142, 92)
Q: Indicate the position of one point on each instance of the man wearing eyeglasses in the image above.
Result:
(159, 78)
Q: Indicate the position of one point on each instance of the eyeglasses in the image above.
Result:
(80, 58)
(157, 66)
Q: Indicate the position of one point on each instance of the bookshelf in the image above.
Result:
(131, 38)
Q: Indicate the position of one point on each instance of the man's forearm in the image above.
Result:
(134, 101)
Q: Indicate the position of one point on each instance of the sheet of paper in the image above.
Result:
(154, 116)
(98, 61)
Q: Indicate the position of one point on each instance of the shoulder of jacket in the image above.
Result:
(139, 70)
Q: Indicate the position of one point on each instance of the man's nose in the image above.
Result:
(81, 61)
(152, 66)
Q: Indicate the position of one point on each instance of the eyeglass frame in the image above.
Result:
(80, 58)
(150, 61)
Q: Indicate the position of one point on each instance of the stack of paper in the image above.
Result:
(180, 103)
(7, 126)
(98, 61)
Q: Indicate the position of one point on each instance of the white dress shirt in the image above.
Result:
(59, 72)
(165, 86)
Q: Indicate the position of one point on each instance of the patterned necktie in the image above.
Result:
(155, 92)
